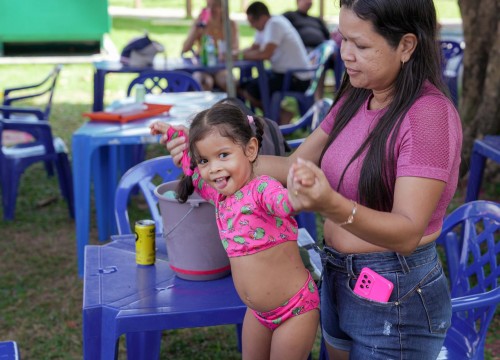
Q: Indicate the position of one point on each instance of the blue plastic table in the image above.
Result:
(103, 68)
(95, 150)
(120, 297)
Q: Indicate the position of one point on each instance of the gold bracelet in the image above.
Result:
(350, 219)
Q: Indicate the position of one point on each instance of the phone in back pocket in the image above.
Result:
(373, 286)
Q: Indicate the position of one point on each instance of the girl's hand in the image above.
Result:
(308, 187)
(174, 146)
(177, 145)
(158, 128)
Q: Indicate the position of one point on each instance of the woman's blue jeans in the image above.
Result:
(412, 325)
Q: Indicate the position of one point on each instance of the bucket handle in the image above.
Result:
(179, 222)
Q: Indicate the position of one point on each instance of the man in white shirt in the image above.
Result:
(278, 41)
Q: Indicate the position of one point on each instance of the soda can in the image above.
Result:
(145, 234)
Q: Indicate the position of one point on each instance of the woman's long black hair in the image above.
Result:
(227, 120)
(391, 19)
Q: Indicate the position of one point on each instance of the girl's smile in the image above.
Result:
(224, 164)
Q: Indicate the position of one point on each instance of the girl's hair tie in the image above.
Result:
(250, 119)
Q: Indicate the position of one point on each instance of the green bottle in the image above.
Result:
(203, 50)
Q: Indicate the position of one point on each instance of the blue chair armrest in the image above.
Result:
(468, 302)
(7, 110)
(8, 100)
(9, 90)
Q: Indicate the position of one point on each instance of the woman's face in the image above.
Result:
(369, 59)
(214, 6)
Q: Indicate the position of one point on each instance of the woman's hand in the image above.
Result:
(308, 187)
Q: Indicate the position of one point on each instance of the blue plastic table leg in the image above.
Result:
(99, 82)
(105, 181)
(477, 163)
(143, 345)
(81, 186)
(264, 89)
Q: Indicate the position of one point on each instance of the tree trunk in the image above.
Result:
(480, 97)
(189, 9)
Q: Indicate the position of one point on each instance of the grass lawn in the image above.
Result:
(40, 292)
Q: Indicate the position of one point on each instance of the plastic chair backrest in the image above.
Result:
(311, 119)
(157, 82)
(450, 49)
(318, 58)
(143, 175)
(46, 86)
(451, 63)
(471, 239)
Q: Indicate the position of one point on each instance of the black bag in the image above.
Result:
(273, 142)
(140, 52)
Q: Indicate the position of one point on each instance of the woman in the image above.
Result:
(388, 155)
(210, 22)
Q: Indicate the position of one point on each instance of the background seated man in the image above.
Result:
(278, 41)
(312, 30)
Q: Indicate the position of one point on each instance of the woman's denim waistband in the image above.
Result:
(378, 261)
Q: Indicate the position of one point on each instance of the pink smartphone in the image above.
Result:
(373, 286)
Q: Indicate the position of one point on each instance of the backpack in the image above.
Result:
(140, 52)
(273, 142)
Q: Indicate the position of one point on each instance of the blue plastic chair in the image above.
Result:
(318, 59)
(471, 240)
(14, 160)
(9, 350)
(157, 82)
(143, 176)
(12, 106)
(44, 88)
(452, 53)
(483, 149)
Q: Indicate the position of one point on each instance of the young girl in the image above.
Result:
(257, 230)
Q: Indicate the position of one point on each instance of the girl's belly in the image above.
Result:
(267, 279)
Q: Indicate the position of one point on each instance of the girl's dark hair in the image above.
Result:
(391, 19)
(227, 120)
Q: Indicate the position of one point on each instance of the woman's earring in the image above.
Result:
(402, 64)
